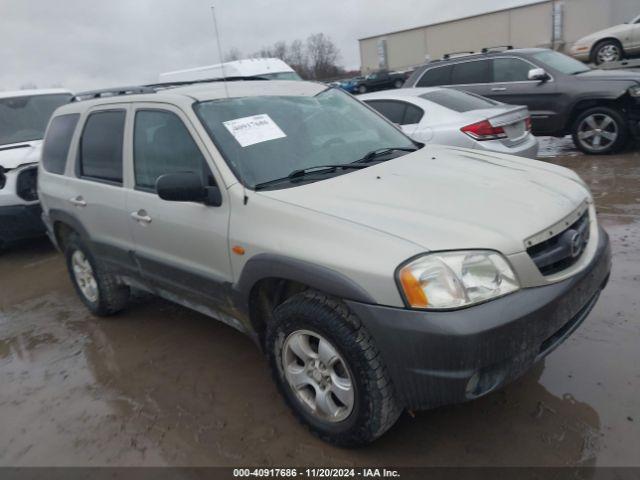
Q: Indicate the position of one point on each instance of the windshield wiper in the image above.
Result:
(303, 172)
(373, 154)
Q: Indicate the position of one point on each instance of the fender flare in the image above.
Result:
(268, 265)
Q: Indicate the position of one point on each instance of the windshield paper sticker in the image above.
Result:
(256, 129)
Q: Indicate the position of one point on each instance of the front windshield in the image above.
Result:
(23, 119)
(294, 132)
(281, 76)
(561, 62)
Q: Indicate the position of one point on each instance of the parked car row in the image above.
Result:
(341, 246)
(599, 108)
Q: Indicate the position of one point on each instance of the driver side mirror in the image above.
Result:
(538, 74)
(187, 187)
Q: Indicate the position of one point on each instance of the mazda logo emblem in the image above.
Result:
(577, 244)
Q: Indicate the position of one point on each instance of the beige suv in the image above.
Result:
(376, 274)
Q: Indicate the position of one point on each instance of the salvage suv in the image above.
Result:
(24, 116)
(376, 274)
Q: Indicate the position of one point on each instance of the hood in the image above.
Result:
(14, 155)
(615, 75)
(443, 198)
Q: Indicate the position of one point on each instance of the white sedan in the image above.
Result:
(451, 117)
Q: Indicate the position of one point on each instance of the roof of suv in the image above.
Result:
(488, 54)
(203, 92)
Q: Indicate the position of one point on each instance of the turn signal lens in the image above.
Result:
(413, 289)
(484, 131)
(527, 123)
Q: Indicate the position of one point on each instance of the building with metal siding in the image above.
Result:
(549, 23)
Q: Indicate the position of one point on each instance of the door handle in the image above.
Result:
(498, 89)
(141, 216)
(78, 201)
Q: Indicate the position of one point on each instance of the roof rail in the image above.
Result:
(152, 88)
(111, 92)
(497, 48)
(447, 56)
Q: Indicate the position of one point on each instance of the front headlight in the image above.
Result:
(449, 280)
(634, 91)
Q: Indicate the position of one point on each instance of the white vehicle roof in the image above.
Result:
(30, 93)
(239, 68)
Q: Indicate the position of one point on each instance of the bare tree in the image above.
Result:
(323, 56)
(233, 54)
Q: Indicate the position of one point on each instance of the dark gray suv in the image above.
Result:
(600, 109)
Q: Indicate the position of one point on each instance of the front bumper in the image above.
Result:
(439, 358)
(19, 222)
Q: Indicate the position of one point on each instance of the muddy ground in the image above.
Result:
(162, 385)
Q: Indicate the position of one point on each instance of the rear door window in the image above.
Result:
(510, 70)
(57, 143)
(393, 110)
(468, 73)
(162, 144)
(435, 77)
(101, 146)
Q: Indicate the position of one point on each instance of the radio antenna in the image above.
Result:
(224, 76)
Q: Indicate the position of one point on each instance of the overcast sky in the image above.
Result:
(82, 44)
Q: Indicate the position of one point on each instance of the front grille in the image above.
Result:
(562, 250)
(27, 184)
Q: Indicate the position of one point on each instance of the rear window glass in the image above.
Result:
(435, 77)
(470, 72)
(458, 101)
(101, 146)
(57, 143)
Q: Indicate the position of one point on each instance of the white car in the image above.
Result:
(450, 117)
(270, 68)
(24, 116)
(609, 45)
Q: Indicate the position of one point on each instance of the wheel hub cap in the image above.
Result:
(318, 375)
(597, 132)
(83, 274)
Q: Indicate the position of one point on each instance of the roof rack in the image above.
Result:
(447, 56)
(497, 48)
(152, 88)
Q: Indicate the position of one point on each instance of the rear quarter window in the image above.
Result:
(57, 143)
(459, 101)
(435, 77)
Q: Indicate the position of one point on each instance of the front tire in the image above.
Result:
(398, 84)
(329, 371)
(98, 289)
(600, 131)
(362, 89)
(607, 51)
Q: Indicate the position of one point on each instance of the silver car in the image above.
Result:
(451, 117)
(609, 45)
(375, 274)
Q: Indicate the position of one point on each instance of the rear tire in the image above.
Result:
(98, 289)
(398, 84)
(600, 131)
(370, 409)
(607, 51)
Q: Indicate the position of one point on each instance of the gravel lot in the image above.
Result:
(162, 385)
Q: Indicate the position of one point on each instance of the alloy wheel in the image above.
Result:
(318, 375)
(608, 53)
(83, 274)
(597, 132)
